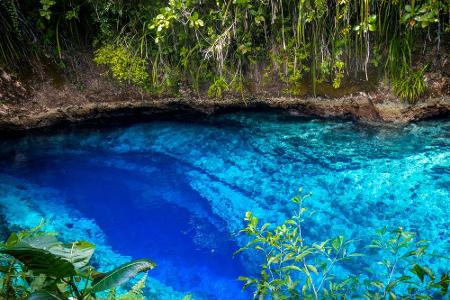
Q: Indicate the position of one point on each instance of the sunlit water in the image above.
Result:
(176, 191)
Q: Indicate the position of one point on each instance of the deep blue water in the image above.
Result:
(176, 191)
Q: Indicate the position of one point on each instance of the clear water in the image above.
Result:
(176, 191)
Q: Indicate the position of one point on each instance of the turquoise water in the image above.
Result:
(176, 191)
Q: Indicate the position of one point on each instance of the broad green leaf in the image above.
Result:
(121, 275)
(44, 254)
(78, 253)
(313, 269)
(42, 261)
(419, 271)
(44, 296)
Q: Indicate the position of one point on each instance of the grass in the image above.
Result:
(410, 86)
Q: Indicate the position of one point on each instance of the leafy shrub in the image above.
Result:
(35, 265)
(123, 64)
(217, 88)
(295, 269)
(410, 86)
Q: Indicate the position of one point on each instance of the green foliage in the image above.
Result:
(410, 85)
(44, 296)
(120, 275)
(124, 65)
(36, 265)
(401, 273)
(294, 268)
(45, 10)
(136, 292)
(218, 86)
(213, 42)
(422, 13)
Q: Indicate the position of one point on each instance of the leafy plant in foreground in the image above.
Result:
(36, 266)
(400, 272)
(292, 268)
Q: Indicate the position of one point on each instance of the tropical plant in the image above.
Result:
(214, 42)
(410, 85)
(294, 268)
(123, 64)
(217, 88)
(36, 265)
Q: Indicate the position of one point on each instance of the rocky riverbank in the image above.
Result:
(361, 108)
(24, 107)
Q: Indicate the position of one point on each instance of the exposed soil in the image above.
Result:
(51, 98)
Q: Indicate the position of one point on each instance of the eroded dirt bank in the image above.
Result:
(25, 107)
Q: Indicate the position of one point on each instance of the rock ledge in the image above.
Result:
(361, 107)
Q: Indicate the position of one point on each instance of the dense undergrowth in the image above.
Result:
(163, 45)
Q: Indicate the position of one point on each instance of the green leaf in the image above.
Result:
(44, 296)
(265, 226)
(313, 269)
(42, 261)
(187, 297)
(421, 272)
(302, 255)
(428, 272)
(337, 242)
(354, 254)
(243, 278)
(44, 254)
(444, 283)
(78, 253)
(290, 222)
(392, 296)
(377, 284)
(418, 271)
(292, 268)
(395, 282)
(121, 275)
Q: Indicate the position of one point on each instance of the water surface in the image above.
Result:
(176, 191)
